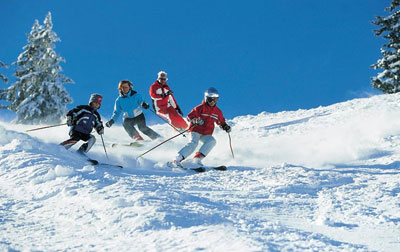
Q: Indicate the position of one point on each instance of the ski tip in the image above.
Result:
(221, 168)
(93, 162)
(134, 144)
(111, 165)
(200, 169)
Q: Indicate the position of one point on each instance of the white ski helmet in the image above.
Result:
(95, 98)
(161, 75)
(211, 94)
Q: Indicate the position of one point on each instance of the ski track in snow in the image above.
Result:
(325, 179)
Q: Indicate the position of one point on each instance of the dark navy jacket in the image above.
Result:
(86, 118)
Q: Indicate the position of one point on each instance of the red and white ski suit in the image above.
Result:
(166, 106)
(203, 133)
(210, 116)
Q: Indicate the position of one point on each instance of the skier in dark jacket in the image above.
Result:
(82, 120)
(130, 102)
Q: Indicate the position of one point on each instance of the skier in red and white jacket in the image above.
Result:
(164, 102)
(203, 119)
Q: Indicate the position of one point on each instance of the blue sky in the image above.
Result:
(262, 55)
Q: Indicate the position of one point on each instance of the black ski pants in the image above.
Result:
(76, 136)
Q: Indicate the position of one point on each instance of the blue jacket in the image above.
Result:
(129, 104)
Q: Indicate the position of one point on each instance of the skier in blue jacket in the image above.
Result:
(130, 102)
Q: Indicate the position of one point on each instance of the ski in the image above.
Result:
(220, 168)
(95, 162)
(110, 165)
(200, 169)
(92, 161)
(134, 144)
(203, 169)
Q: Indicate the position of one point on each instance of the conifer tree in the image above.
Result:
(38, 95)
(3, 93)
(2, 76)
(388, 80)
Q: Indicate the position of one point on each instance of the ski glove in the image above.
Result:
(226, 127)
(178, 109)
(100, 130)
(166, 94)
(110, 123)
(70, 122)
(145, 105)
(197, 121)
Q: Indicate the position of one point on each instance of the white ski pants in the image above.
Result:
(207, 140)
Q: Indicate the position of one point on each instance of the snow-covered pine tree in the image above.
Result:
(2, 76)
(3, 93)
(38, 95)
(388, 80)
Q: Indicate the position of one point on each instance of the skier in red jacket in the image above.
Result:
(203, 119)
(164, 102)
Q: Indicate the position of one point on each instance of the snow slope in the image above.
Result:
(325, 179)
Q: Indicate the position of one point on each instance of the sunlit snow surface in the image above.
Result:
(326, 179)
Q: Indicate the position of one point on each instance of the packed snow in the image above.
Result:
(324, 179)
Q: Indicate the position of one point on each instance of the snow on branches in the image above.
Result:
(389, 29)
(38, 95)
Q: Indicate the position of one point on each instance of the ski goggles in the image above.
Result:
(212, 99)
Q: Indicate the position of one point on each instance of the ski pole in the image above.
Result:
(141, 155)
(104, 146)
(46, 127)
(230, 144)
(166, 121)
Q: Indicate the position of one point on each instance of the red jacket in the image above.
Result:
(162, 103)
(210, 116)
